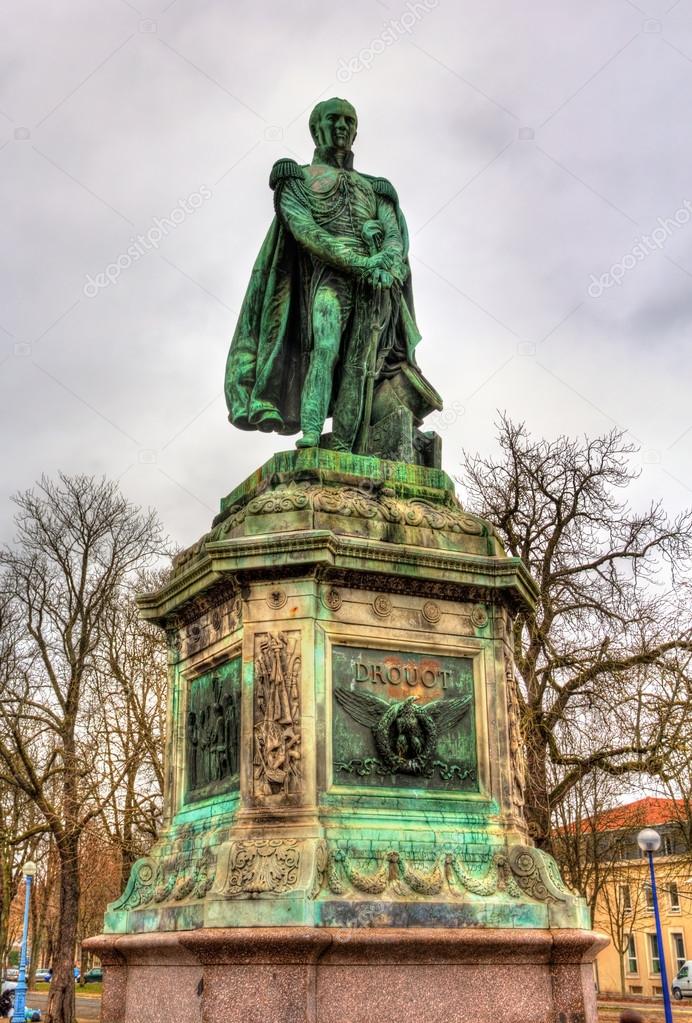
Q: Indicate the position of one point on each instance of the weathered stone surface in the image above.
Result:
(374, 782)
(369, 865)
(310, 975)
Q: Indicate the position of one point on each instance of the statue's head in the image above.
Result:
(334, 123)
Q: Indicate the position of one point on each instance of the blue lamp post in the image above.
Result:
(19, 1011)
(649, 841)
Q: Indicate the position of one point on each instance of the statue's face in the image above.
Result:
(337, 125)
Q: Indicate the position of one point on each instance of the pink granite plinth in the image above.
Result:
(324, 975)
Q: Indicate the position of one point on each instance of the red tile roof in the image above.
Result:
(650, 812)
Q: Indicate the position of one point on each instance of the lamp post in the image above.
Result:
(649, 841)
(19, 1010)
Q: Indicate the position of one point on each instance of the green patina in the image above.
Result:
(212, 732)
(403, 720)
(347, 615)
(327, 325)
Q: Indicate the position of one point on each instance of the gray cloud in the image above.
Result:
(530, 148)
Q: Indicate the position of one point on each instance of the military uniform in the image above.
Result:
(326, 208)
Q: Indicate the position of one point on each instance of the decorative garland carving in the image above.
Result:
(518, 871)
(185, 871)
(344, 501)
(351, 501)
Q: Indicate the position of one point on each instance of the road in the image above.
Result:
(88, 1006)
(609, 1012)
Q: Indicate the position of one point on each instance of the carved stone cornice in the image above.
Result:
(350, 560)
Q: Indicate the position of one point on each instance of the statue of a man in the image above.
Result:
(328, 316)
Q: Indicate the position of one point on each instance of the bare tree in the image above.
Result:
(77, 539)
(624, 900)
(128, 722)
(577, 838)
(19, 833)
(603, 665)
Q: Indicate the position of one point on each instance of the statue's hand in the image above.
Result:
(381, 279)
(381, 261)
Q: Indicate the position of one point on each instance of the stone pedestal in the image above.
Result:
(324, 975)
(344, 834)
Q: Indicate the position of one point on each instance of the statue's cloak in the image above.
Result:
(270, 350)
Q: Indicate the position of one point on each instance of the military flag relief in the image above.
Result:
(344, 832)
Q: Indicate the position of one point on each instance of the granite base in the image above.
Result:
(330, 975)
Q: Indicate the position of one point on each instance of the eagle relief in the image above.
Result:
(403, 719)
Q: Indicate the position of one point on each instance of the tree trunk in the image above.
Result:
(61, 1004)
(127, 850)
(5, 903)
(621, 957)
(537, 803)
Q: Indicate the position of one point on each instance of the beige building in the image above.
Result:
(624, 909)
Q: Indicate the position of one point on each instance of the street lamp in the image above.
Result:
(19, 1011)
(649, 841)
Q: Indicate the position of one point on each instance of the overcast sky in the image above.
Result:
(532, 146)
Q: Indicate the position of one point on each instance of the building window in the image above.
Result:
(625, 899)
(653, 955)
(678, 942)
(674, 897)
(667, 845)
(632, 964)
(649, 896)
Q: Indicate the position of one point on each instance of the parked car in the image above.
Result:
(682, 985)
(44, 975)
(93, 975)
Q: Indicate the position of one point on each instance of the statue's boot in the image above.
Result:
(317, 390)
(348, 410)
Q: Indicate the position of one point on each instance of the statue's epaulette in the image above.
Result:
(383, 187)
(282, 169)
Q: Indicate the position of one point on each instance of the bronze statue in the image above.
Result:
(327, 326)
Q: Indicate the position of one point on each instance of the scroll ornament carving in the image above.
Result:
(351, 501)
(183, 875)
(321, 865)
(342, 501)
(260, 867)
(277, 749)
(518, 871)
